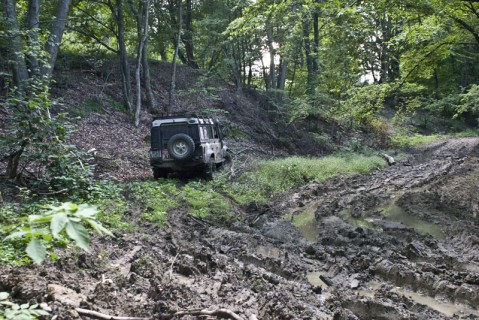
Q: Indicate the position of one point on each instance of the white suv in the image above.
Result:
(187, 144)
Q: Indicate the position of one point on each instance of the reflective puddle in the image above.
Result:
(305, 221)
(449, 309)
(394, 212)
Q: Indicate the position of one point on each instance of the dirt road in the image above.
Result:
(399, 243)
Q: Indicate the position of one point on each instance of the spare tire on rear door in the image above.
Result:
(181, 146)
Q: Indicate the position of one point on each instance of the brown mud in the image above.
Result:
(398, 243)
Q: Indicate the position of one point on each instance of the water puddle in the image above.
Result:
(449, 309)
(268, 252)
(305, 221)
(394, 212)
(367, 222)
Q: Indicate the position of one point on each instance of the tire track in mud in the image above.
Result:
(379, 229)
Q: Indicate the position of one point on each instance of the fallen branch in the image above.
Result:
(171, 267)
(224, 313)
(102, 316)
(388, 158)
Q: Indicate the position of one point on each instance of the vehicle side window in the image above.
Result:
(209, 129)
(203, 133)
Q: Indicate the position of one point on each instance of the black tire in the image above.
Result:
(181, 146)
(159, 173)
(210, 170)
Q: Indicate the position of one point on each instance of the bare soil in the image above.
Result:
(399, 243)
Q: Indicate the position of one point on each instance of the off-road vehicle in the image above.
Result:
(189, 144)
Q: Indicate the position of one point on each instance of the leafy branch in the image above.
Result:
(63, 222)
(10, 310)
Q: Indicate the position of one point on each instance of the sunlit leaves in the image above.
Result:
(62, 222)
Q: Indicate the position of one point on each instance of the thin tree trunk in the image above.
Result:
(20, 73)
(56, 34)
(150, 96)
(188, 36)
(141, 45)
(33, 23)
(171, 99)
(272, 52)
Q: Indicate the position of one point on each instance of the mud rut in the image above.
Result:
(400, 243)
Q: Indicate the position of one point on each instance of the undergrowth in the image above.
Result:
(123, 207)
(272, 178)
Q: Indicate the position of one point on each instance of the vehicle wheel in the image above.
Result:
(159, 173)
(210, 171)
(181, 146)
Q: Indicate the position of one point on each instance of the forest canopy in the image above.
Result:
(329, 59)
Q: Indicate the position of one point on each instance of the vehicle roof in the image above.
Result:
(189, 119)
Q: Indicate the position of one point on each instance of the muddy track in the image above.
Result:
(399, 243)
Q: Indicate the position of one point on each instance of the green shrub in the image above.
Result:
(156, 198)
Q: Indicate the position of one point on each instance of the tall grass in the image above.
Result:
(271, 178)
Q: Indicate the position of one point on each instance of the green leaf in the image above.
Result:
(99, 228)
(58, 223)
(36, 251)
(16, 235)
(38, 219)
(4, 295)
(86, 211)
(78, 233)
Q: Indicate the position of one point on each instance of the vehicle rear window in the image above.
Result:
(169, 130)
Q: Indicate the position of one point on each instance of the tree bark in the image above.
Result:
(117, 12)
(33, 18)
(188, 35)
(19, 67)
(142, 35)
(171, 96)
(272, 53)
(55, 39)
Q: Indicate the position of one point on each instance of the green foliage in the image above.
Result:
(271, 178)
(469, 103)
(37, 139)
(402, 140)
(114, 209)
(363, 104)
(12, 311)
(157, 198)
(205, 202)
(58, 223)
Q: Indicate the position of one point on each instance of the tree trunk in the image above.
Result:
(56, 34)
(12, 166)
(171, 96)
(272, 53)
(33, 23)
(150, 96)
(188, 36)
(142, 36)
(311, 77)
(124, 65)
(20, 73)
